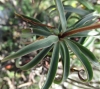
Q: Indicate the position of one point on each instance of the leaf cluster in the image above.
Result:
(59, 39)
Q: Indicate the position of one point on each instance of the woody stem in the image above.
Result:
(91, 27)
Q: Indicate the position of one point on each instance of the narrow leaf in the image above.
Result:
(34, 46)
(82, 58)
(53, 67)
(60, 9)
(84, 20)
(67, 15)
(88, 53)
(58, 81)
(66, 61)
(34, 61)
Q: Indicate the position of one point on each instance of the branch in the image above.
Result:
(83, 83)
(91, 27)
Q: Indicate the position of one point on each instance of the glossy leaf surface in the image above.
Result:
(34, 61)
(60, 9)
(34, 46)
(88, 53)
(82, 58)
(66, 61)
(53, 67)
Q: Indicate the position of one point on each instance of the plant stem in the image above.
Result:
(91, 27)
(33, 22)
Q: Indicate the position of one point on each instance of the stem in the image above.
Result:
(86, 84)
(91, 27)
(33, 22)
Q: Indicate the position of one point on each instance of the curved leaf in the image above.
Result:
(83, 22)
(82, 58)
(88, 53)
(60, 9)
(58, 81)
(65, 62)
(34, 61)
(53, 67)
(34, 46)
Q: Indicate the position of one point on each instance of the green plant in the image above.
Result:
(59, 40)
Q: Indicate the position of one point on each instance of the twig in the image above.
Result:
(25, 84)
(91, 27)
(83, 83)
(77, 85)
(11, 86)
(96, 69)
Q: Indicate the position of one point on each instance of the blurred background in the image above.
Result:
(13, 37)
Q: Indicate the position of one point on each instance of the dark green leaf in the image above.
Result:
(60, 9)
(34, 46)
(34, 61)
(84, 21)
(82, 58)
(88, 53)
(67, 15)
(66, 61)
(58, 81)
(53, 67)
